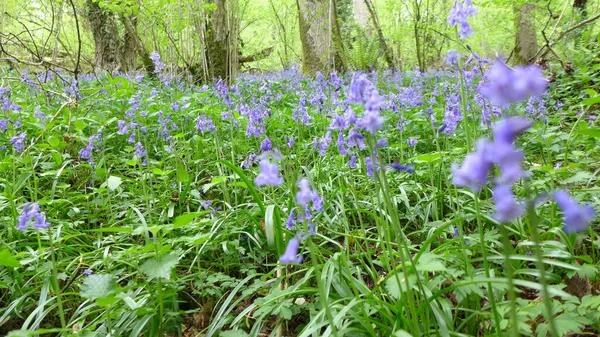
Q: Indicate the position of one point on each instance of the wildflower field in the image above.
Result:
(454, 202)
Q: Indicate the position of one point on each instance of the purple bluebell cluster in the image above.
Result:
(268, 175)
(87, 151)
(576, 217)
(459, 15)
(204, 124)
(31, 211)
(506, 86)
(19, 141)
(452, 58)
(290, 256)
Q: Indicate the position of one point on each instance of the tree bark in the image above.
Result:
(361, 13)
(322, 48)
(580, 7)
(387, 52)
(526, 44)
(107, 51)
(216, 42)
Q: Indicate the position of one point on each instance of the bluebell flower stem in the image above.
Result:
(486, 267)
(508, 269)
(323, 294)
(537, 252)
(54, 281)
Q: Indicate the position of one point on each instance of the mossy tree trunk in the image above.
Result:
(113, 50)
(107, 51)
(322, 48)
(526, 44)
(221, 41)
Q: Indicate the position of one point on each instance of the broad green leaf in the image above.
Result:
(579, 177)
(233, 333)
(185, 219)
(8, 260)
(160, 268)
(113, 182)
(98, 286)
(594, 132)
(182, 174)
(402, 333)
(429, 262)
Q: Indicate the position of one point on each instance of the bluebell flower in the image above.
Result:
(406, 168)
(360, 88)
(352, 162)
(268, 175)
(265, 145)
(249, 161)
(506, 86)
(123, 127)
(206, 204)
(452, 58)
(88, 272)
(291, 220)
(475, 169)
(31, 210)
(370, 167)
(576, 218)
(139, 150)
(158, 65)
(19, 141)
(507, 208)
(383, 142)
(356, 139)
(204, 123)
(290, 141)
(304, 194)
(291, 253)
(412, 142)
(340, 144)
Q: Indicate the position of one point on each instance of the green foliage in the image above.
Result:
(364, 51)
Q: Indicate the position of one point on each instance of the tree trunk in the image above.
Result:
(107, 51)
(131, 33)
(216, 42)
(580, 8)
(322, 48)
(130, 45)
(57, 28)
(526, 45)
(361, 13)
(387, 52)
(416, 24)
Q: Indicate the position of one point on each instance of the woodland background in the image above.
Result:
(221, 38)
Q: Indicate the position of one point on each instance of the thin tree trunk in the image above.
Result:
(130, 44)
(132, 31)
(361, 13)
(417, 21)
(56, 33)
(387, 52)
(317, 36)
(580, 7)
(107, 53)
(526, 45)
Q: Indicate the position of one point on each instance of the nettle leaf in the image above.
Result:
(396, 284)
(233, 333)
(160, 268)
(579, 177)
(113, 182)
(8, 260)
(402, 333)
(98, 286)
(429, 262)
